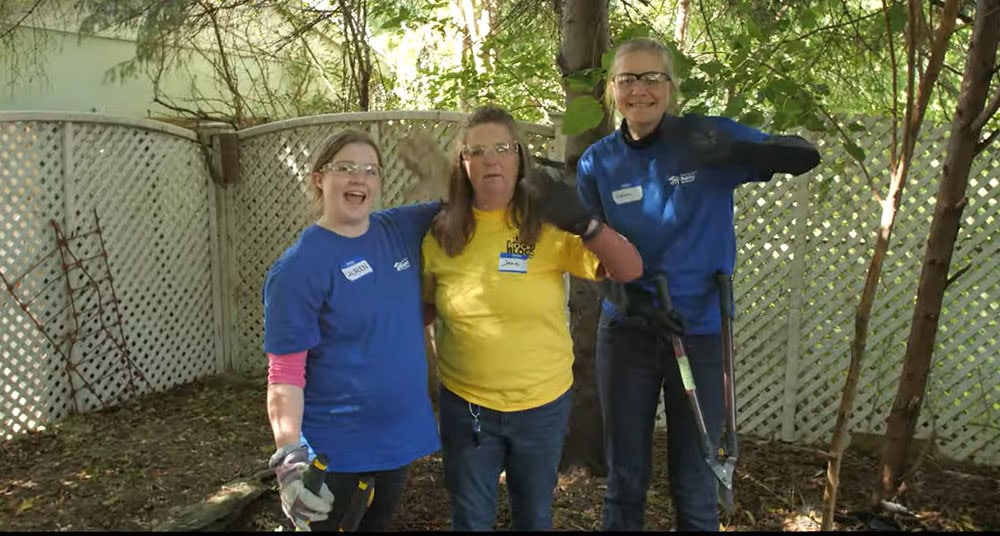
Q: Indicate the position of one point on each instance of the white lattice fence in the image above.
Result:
(148, 184)
(266, 210)
(804, 249)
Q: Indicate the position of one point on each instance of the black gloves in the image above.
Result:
(642, 312)
(639, 310)
(557, 201)
(711, 146)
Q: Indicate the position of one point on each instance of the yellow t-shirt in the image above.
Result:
(505, 343)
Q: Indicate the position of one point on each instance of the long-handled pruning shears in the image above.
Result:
(722, 462)
(728, 450)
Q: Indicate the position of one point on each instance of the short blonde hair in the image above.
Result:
(645, 44)
(325, 152)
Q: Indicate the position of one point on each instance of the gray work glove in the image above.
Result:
(422, 155)
(300, 505)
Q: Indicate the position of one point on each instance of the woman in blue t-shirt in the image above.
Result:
(666, 183)
(343, 332)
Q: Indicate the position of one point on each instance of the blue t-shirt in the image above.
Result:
(679, 216)
(354, 304)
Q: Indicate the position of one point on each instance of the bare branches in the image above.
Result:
(17, 24)
(228, 76)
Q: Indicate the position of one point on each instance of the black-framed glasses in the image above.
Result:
(648, 78)
(476, 151)
(352, 168)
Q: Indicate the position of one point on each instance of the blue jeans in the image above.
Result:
(633, 366)
(527, 444)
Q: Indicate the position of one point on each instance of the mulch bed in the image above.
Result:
(139, 465)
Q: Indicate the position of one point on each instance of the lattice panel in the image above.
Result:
(151, 192)
(153, 203)
(31, 384)
(964, 388)
(840, 231)
(765, 237)
(841, 220)
(268, 207)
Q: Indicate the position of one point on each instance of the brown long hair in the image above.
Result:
(454, 225)
(325, 152)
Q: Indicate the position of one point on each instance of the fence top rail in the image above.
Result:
(347, 117)
(83, 117)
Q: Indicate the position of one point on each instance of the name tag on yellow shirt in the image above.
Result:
(512, 262)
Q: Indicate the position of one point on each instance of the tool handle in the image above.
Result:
(313, 477)
(361, 499)
(663, 291)
(725, 284)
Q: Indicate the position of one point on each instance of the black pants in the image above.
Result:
(389, 487)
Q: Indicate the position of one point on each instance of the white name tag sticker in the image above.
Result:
(627, 195)
(512, 262)
(356, 269)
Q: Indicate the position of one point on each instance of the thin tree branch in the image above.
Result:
(895, 79)
(988, 111)
(16, 25)
(708, 28)
(981, 146)
(961, 16)
(228, 76)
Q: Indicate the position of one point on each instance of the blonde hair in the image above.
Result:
(328, 149)
(645, 44)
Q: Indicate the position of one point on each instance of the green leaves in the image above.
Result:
(897, 17)
(584, 81)
(854, 150)
(582, 114)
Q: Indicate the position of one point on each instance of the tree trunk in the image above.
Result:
(917, 99)
(585, 39)
(681, 22)
(966, 128)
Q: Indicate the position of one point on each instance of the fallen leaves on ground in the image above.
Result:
(135, 466)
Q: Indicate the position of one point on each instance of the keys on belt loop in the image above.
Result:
(476, 427)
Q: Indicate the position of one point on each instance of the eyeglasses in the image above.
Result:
(648, 78)
(476, 151)
(370, 171)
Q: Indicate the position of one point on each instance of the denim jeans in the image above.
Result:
(389, 487)
(633, 366)
(527, 444)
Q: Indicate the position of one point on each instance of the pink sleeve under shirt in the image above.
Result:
(287, 368)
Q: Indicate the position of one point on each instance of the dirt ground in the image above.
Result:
(134, 467)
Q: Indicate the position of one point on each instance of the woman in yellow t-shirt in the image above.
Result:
(493, 262)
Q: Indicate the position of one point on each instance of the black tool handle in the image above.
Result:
(361, 499)
(725, 284)
(314, 476)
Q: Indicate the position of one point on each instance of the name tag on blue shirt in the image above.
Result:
(627, 195)
(512, 262)
(356, 269)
